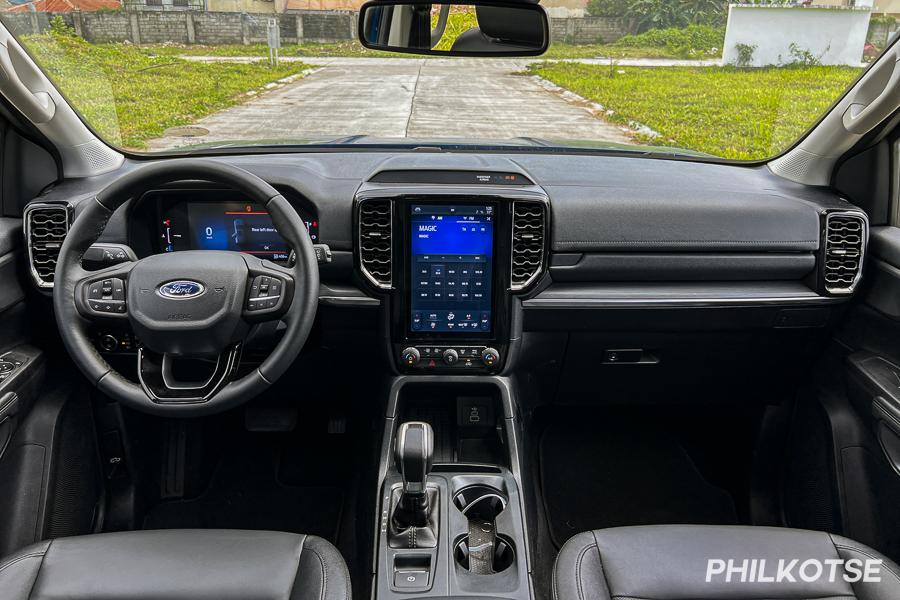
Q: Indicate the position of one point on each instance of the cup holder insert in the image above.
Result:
(477, 563)
(482, 551)
(480, 502)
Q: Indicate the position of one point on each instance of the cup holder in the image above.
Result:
(470, 560)
(480, 502)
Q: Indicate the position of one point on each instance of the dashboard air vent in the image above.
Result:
(375, 249)
(528, 240)
(845, 244)
(46, 226)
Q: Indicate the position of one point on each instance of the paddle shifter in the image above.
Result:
(414, 510)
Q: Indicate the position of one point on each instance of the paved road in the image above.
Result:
(405, 97)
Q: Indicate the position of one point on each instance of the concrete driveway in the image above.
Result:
(404, 97)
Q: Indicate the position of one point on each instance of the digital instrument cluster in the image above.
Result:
(237, 226)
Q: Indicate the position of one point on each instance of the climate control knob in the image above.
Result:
(490, 357)
(451, 356)
(410, 357)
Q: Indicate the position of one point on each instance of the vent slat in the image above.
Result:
(528, 237)
(375, 239)
(47, 227)
(844, 238)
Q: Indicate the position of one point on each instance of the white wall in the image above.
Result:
(836, 34)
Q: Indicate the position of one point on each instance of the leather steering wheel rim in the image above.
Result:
(90, 224)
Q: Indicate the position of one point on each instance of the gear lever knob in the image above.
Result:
(414, 451)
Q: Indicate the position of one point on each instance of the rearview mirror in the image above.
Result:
(451, 28)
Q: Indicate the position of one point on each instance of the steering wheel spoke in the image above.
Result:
(156, 373)
(103, 294)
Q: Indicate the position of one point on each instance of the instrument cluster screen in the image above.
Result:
(236, 226)
(451, 252)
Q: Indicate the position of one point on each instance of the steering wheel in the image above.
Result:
(199, 304)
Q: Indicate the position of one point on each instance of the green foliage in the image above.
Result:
(745, 54)
(59, 27)
(801, 57)
(661, 14)
(693, 41)
(732, 113)
(129, 96)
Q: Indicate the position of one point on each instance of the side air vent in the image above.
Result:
(845, 245)
(375, 250)
(46, 226)
(528, 242)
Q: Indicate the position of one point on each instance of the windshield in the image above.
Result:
(694, 77)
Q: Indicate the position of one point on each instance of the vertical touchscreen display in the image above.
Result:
(451, 249)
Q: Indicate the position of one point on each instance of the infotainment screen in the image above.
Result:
(451, 256)
(237, 226)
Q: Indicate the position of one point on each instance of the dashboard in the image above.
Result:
(485, 263)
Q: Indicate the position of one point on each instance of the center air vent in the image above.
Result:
(528, 240)
(845, 242)
(46, 226)
(375, 241)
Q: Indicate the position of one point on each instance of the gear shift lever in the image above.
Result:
(414, 453)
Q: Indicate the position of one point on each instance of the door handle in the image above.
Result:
(877, 97)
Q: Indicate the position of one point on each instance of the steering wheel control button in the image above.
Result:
(265, 293)
(490, 357)
(411, 357)
(107, 296)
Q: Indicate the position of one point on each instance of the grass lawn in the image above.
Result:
(130, 97)
(742, 114)
(354, 49)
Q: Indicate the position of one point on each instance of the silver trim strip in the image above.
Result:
(600, 302)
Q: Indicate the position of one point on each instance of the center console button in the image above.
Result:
(451, 356)
(410, 357)
(411, 579)
(490, 357)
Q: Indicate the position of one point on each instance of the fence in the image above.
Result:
(218, 28)
(191, 27)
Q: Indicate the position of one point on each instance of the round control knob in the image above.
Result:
(451, 356)
(109, 343)
(490, 357)
(410, 357)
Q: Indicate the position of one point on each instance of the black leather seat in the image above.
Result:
(190, 564)
(670, 562)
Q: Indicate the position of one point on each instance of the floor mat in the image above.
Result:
(247, 491)
(611, 475)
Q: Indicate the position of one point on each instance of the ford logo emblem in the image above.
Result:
(181, 289)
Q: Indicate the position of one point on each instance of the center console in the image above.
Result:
(451, 518)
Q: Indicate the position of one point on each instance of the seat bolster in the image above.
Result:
(675, 562)
(578, 573)
(19, 571)
(321, 572)
(889, 588)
